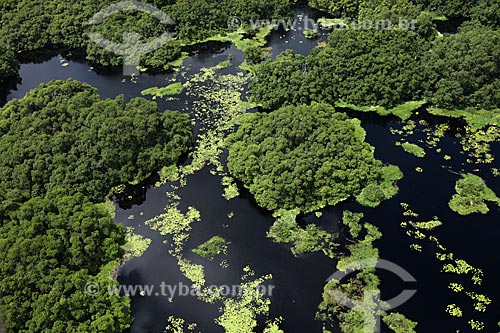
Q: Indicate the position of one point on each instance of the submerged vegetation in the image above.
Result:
(471, 197)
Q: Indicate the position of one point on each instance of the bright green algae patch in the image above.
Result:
(212, 247)
(170, 90)
(413, 149)
(475, 118)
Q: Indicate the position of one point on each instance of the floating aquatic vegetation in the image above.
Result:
(398, 323)
(239, 315)
(434, 137)
(136, 245)
(274, 326)
(477, 144)
(476, 119)
(230, 188)
(427, 225)
(407, 210)
(354, 287)
(212, 247)
(176, 224)
(224, 64)
(179, 325)
(476, 325)
(194, 272)
(416, 247)
(450, 263)
(224, 264)
(461, 267)
(353, 221)
(472, 194)
(456, 287)
(454, 310)
(303, 240)
(170, 90)
(482, 301)
(413, 149)
(311, 33)
(403, 111)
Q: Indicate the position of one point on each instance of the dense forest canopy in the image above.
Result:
(51, 247)
(463, 70)
(32, 25)
(8, 63)
(63, 135)
(62, 150)
(486, 11)
(306, 157)
(363, 8)
(388, 68)
(367, 67)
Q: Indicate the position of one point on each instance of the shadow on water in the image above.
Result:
(135, 195)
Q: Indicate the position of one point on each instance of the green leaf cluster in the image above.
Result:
(307, 157)
(63, 135)
(413, 149)
(211, 247)
(472, 194)
(365, 68)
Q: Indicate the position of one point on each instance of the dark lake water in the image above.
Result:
(299, 281)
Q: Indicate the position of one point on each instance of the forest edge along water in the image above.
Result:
(298, 281)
